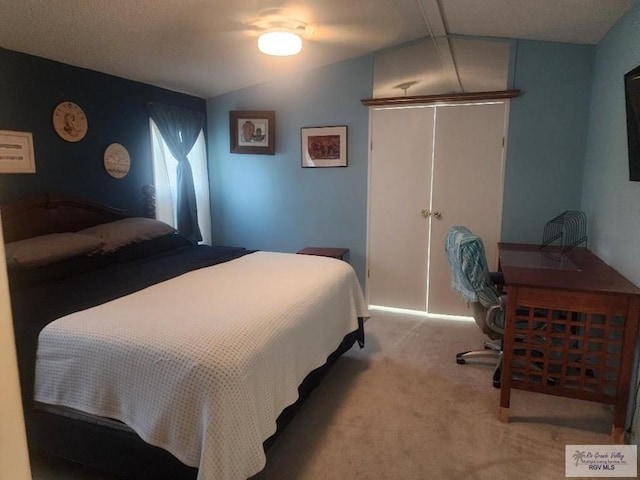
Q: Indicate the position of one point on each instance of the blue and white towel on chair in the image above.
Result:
(469, 272)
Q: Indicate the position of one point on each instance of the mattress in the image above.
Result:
(237, 338)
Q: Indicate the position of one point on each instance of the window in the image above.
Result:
(165, 180)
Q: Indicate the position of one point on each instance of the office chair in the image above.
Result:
(471, 278)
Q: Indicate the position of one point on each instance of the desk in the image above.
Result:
(571, 329)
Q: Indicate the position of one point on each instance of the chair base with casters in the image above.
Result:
(492, 349)
(485, 318)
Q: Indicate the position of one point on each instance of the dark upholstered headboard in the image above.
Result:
(53, 213)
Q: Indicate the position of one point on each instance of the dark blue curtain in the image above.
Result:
(180, 129)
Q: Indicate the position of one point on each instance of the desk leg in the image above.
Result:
(505, 395)
(617, 435)
(619, 417)
(508, 343)
(504, 415)
(632, 319)
(505, 383)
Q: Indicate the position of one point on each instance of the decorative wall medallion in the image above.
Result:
(116, 160)
(70, 122)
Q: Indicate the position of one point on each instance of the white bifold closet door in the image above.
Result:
(431, 167)
(400, 180)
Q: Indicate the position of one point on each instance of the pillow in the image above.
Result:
(46, 249)
(115, 235)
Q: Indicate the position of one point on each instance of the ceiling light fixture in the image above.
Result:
(280, 42)
(281, 32)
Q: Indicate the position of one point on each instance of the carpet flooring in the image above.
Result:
(401, 408)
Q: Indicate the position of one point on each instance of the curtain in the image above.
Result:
(180, 129)
(165, 180)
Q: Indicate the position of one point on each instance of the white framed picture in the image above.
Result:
(16, 152)
(253, 132)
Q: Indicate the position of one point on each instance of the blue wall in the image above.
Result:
(547, 136)
(270, 202)
(30, 89)
(609, 199)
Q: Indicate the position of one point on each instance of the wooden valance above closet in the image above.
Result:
(448, 97)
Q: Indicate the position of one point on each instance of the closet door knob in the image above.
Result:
(437, 214)
(425, 213)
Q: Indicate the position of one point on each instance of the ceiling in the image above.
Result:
(208, 47)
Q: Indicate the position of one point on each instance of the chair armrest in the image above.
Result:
(495, 314)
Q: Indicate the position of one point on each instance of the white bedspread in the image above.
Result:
(203, 364)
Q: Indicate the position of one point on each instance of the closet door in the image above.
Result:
(467, 190)
(431, 167)
(399, 190)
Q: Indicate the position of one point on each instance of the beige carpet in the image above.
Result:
(401, 408)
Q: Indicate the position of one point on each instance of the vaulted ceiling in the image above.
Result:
(208, 47)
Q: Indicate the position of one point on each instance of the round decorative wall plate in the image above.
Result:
(69, 121)
(116, 160)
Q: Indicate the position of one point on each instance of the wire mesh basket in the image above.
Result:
(567, 230)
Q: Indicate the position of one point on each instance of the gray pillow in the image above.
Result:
(115, 235)
(46, 249)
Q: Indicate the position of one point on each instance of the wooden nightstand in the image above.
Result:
(338, 253)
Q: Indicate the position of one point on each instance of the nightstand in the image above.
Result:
(338, 253)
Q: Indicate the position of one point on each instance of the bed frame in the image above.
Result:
(120, 452)
(54, 213)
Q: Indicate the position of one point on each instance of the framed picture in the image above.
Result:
(324, 146)
(16, 152)
(253, 132)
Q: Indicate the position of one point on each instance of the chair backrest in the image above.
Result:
(470, 277)
(469, 272)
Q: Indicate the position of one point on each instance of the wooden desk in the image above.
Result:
(579, 321)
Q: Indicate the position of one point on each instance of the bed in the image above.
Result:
(150, 357)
